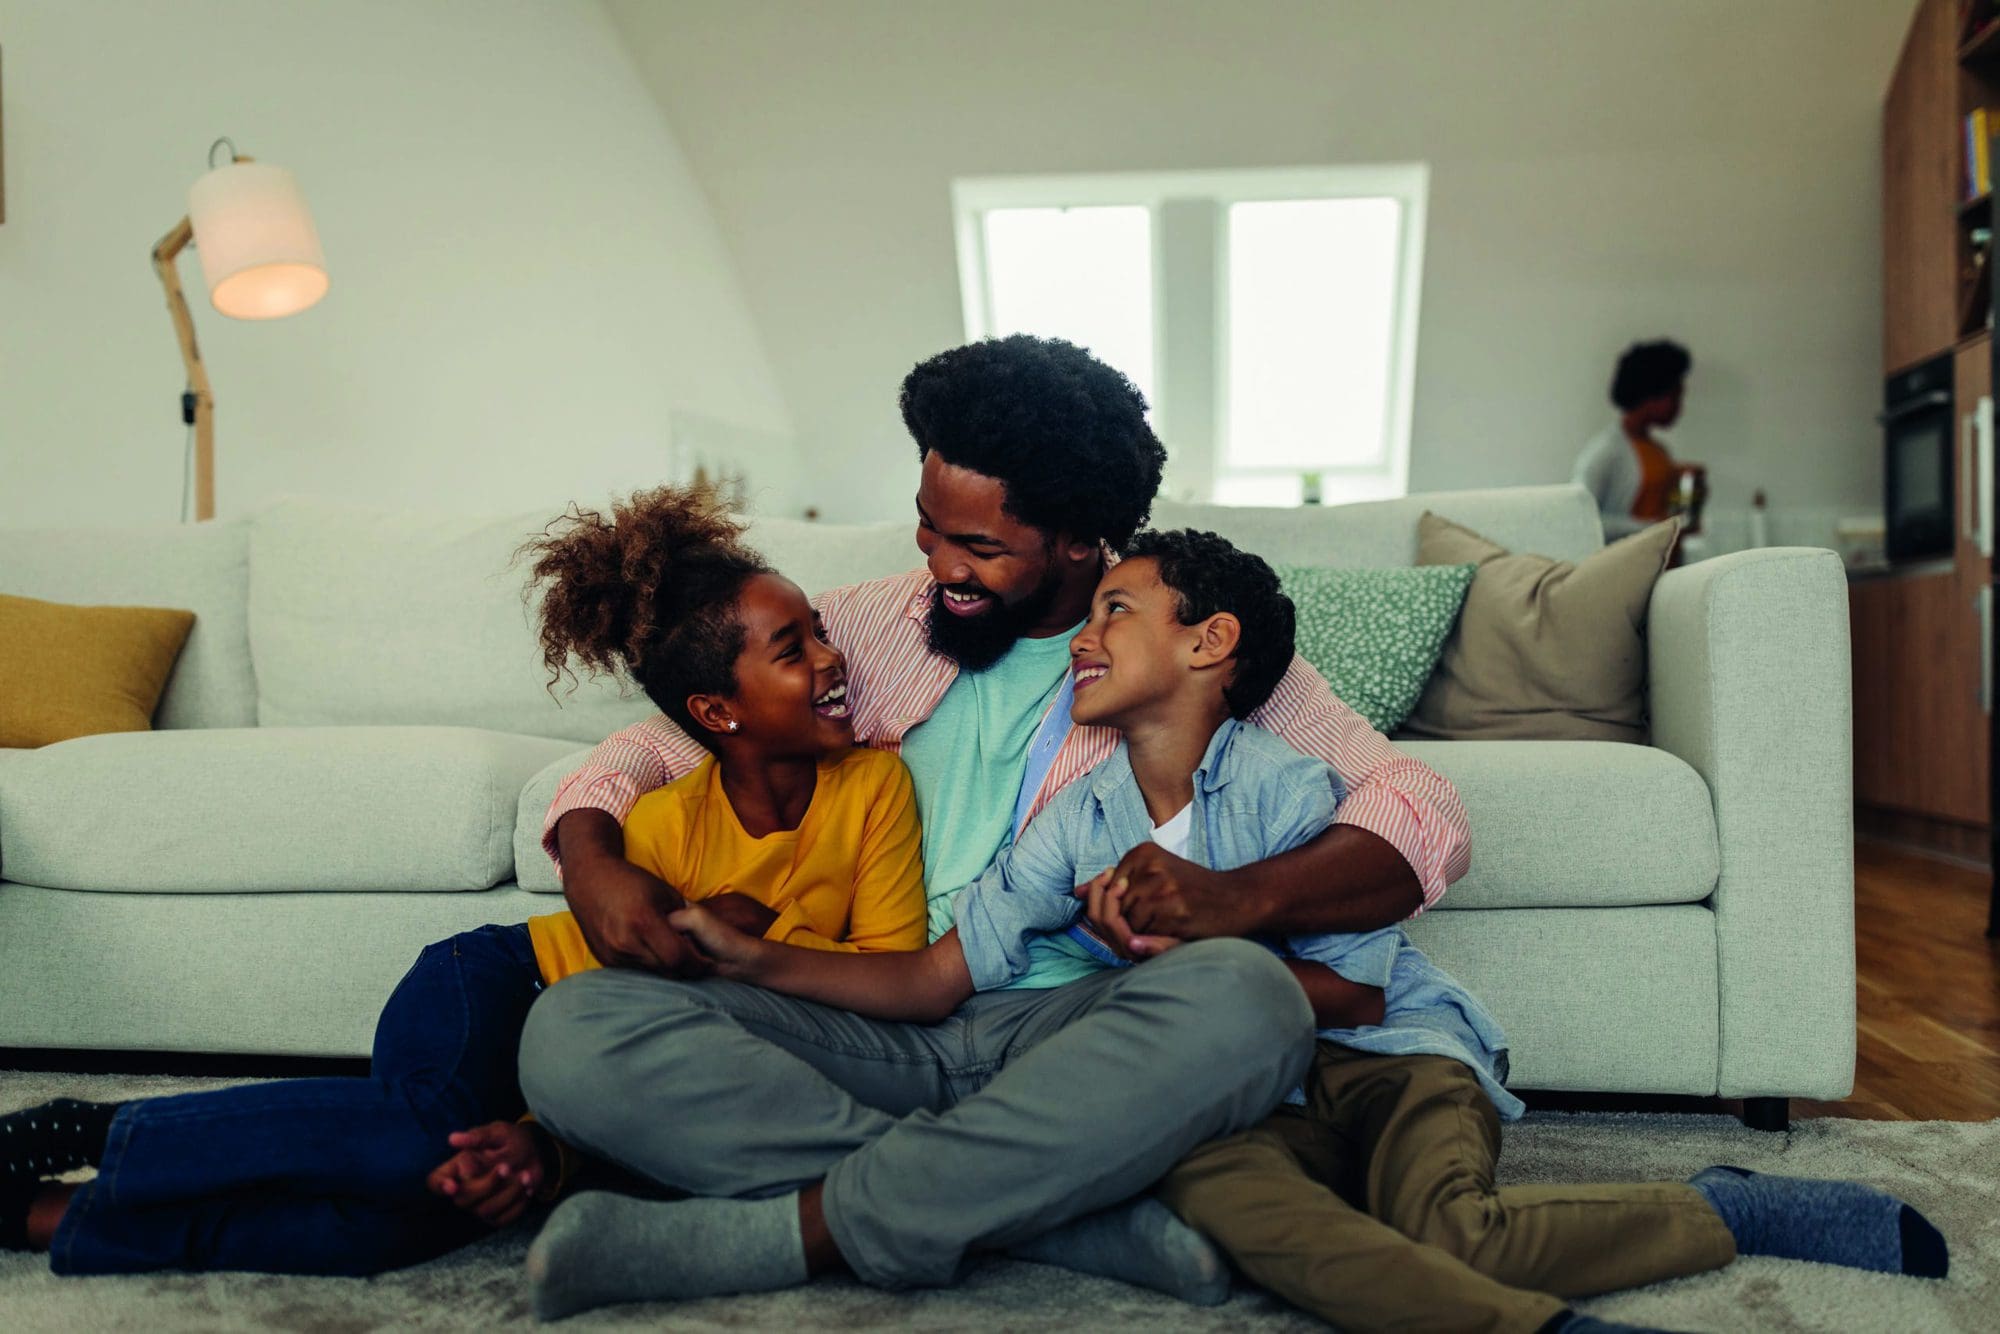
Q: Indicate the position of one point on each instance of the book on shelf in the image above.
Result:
(1975, 285)
(1968, 157)
(1980, 127)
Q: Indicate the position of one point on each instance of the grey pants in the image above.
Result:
(1023, 1110)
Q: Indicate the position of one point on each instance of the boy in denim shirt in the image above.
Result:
(1369, 1199)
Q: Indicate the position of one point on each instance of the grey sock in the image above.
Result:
(1833, 1222)
(599, 1248)
(1139, 1242)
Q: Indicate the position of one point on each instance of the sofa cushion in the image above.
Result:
(1555, 824)
(9, 757)
(1617, 1002)
(1577, 824)
(202, 568)
(819, 556)
(1375, 635)
(365, 617)
(78, 671)
(246, 974)
(233, 810)
(1545, 649)
(1559, 521)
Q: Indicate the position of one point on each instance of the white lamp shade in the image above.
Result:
(260, 253)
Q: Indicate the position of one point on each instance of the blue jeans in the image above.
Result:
(319, 1176)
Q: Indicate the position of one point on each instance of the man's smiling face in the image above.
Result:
(998, 578)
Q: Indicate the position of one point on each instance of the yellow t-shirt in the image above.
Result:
(850, 877)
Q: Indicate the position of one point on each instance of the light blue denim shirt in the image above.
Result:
(1254, 797)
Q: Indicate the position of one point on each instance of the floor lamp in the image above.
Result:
(261, 259)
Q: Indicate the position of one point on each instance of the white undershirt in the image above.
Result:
(1173, 835)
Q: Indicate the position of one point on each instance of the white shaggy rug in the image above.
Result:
(1950, 1170)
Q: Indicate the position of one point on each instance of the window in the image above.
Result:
(1268, 316)
(1088, 271)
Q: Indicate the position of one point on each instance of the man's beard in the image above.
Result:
(977, 642)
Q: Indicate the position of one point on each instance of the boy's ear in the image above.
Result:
(1216, 640)
(710, 714)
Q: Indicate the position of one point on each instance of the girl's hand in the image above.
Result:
(736, 954)
(499, 1169)
(742, 912)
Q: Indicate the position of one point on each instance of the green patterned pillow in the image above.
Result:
(1375, 635)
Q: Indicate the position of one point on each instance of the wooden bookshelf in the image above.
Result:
(1916, 632)
(1981, 45)
(1977, 76)
(1922, 185)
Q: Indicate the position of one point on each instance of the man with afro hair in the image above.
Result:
(1036, 466)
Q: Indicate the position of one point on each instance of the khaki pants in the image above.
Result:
(1374, 1208)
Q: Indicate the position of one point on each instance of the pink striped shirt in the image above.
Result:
(895, 680)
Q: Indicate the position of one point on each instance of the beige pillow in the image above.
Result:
(1545, 649)
(76, 671)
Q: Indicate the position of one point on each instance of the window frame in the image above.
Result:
(1190, 308)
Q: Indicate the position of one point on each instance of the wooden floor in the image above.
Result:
(1929, 1003)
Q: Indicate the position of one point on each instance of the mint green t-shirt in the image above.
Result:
(966, 762)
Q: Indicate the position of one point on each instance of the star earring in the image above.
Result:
(732, 724)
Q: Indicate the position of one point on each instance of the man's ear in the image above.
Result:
(711, 714)
(1216, 639)
(1077, 550)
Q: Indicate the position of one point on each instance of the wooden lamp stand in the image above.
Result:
(203, 415)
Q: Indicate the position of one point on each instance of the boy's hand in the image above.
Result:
(735, 954)
(1104, 907)
(1162, 900)
(499, 1169)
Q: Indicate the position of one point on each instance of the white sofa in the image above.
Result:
(355, 753)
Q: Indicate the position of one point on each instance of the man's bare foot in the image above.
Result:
(822, 1255)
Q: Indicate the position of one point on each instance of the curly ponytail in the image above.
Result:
(650, 591)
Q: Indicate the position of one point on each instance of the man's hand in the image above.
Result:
(499, 1169)
(621, 909)
(1346, 879)
(1337, 1002)
(1103, 908)
(742, 912)
(1153, 897)
(736, 955)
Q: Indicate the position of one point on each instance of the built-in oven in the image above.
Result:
(1918, 437)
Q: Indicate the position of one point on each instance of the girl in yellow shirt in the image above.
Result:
(788, 829)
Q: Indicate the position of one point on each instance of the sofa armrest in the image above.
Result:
(532, 867)
(1750, 684)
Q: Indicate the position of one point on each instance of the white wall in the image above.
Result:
(1601, 172)
(527, 283)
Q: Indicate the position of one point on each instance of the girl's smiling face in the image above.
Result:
(791, 685)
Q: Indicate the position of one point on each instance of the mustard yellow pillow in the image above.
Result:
(77, 671)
